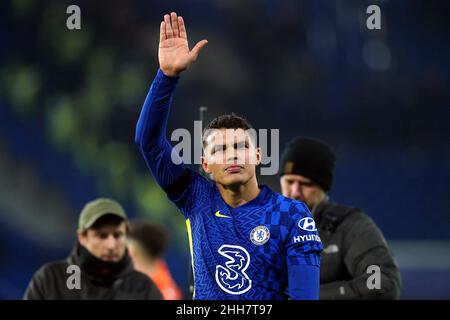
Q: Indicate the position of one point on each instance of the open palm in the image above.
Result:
(174, 54)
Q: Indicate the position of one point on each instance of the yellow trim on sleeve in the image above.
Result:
(191, 248)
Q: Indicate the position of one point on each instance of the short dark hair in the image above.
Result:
(152, 238)
(227, 121)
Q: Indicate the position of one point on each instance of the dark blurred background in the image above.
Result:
(69, 102)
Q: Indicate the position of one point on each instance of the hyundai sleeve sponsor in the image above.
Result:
(307, 237)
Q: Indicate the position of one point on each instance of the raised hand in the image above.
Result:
(174, 54)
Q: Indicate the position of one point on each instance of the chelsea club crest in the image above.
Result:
(260, 235)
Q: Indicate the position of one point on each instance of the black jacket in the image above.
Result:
(99, 280)
(352, 242)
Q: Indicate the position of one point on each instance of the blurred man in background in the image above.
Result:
(147, 243)
(351, 240)
(100, 260)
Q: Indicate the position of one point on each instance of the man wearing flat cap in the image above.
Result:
(99, 266)
(354, 247)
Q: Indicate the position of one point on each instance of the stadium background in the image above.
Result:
(69, 102)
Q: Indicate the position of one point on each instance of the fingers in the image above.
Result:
(172, 29)
(182, 27)
(198, 47)
(162, 32)
(174, 20)
(169, 31)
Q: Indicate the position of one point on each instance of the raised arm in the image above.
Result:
(174, 58)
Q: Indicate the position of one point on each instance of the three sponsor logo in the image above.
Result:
(231, 276)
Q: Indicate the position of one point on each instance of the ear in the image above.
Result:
(81, 237)
(205, 166)
(258, 156)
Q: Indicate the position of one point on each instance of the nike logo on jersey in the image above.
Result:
(219, 215)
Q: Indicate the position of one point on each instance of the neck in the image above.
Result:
(239, 194)
(97, 269)
(322, 199)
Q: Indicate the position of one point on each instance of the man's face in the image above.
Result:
(107, 243)
(298, 187)
(230, 156)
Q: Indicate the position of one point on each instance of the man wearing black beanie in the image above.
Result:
(356, 261)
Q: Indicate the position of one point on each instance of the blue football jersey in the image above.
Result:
(245, 252)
